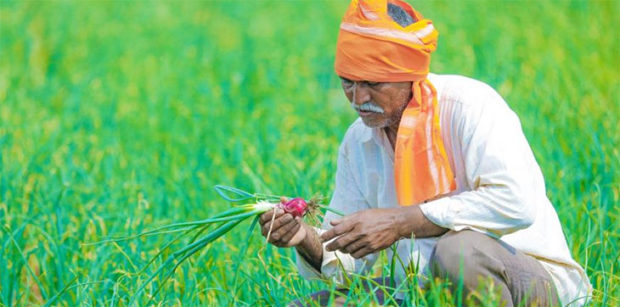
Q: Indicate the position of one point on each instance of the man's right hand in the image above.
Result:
(287, 230)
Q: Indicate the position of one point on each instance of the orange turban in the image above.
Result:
(373, 47)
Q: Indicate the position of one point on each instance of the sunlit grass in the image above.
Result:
(117, 117)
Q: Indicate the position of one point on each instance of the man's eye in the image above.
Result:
(373, 84)
(346, 82)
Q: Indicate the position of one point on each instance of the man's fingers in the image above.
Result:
(293, 232)
(353, 247)
(339, 229)
(335, 222)
(265, 217)
(277, 223)
(328, 235)
(278, 234)
(342, 242)
(297, 237)
(290, 233)
(362, 252)
(268, 216)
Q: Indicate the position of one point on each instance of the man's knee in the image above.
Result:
(455, 254)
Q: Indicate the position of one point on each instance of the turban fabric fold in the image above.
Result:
(373, 47)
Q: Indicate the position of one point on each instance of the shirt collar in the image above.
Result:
(372, 134)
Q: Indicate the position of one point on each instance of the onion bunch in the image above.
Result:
(223, 222)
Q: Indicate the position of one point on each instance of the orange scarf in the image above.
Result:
(372, 47)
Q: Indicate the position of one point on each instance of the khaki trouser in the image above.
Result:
(470, 260)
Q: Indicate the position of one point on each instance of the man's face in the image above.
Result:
(379, 104)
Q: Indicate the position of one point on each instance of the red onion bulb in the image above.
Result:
(296, 206)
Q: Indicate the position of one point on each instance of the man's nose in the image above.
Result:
(360, 93)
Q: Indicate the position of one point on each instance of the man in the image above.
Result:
(439, 158)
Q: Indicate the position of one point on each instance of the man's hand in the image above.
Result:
(372, 230)
(364, 232)
(288, 231)
(284, 231)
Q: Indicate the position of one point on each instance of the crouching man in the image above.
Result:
(441, 158)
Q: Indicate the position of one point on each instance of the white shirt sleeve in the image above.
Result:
(501, 172)
(347, 199)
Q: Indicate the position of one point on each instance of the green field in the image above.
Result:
(118, 116)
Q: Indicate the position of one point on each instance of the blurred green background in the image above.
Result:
(119, 116)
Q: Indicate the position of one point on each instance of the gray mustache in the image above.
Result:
(368, 106)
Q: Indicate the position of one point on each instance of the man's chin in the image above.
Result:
(373, 123)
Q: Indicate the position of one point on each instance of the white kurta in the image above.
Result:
(500, 188)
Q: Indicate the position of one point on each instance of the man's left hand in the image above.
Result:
(365, 232)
